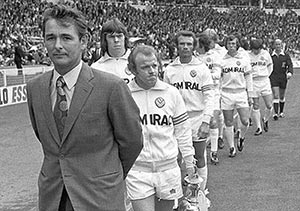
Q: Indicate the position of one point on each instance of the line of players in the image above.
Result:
(236, 70)
(214, 82)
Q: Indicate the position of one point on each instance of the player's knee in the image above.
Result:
(228, 123)
(282, 99)
(200, 163)
(199, 155)
(220, 118)
(245, 121)
(255, 106)
(269, 105)
(213, 124)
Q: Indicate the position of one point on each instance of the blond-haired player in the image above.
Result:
(212, 60)
(154, 181)
(221, 51)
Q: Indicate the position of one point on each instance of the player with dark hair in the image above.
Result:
(193, 79)
(114, 50)
(236, 83)
(262, 67)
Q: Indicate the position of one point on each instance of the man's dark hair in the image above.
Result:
(231, 38)
(112, 26)
(256, 44)
(186, 34)
(65, 16)
(204, 41)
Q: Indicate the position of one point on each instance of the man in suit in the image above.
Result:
(19, 56)
(96, 53)
(86, 121)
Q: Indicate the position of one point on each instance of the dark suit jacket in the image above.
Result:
(102, 138)
(19, 54)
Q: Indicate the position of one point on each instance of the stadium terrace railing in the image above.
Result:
(10, 77)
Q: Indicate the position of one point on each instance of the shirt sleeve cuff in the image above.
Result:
(206, 118)
(189, 161)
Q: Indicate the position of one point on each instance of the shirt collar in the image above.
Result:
(237, 56)
(158, 86)
(217, 46)
(281, 53)
(194, 61)
(70, 77)
(209, 52)
(108, 57)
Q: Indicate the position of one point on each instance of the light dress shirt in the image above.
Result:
(70, 79)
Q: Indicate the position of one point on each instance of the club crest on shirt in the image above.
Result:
(193, 73)
(172, 191)
(208, 60)
(127, 71)
(160, 102)
(262, 58)
(238, 63)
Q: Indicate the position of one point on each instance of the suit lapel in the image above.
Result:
(47, 108)
(82, 91)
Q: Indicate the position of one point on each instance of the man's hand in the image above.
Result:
(250, 101)
(190, 172)
(203, 130)
(288, 75)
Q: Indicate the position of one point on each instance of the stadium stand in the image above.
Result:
(154, 21)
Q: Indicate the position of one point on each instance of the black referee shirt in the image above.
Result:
(282, 64)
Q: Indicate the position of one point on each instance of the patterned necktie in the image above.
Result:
(61, 107)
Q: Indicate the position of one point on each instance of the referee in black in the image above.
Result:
(282, 72)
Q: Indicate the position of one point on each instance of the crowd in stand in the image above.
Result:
(288, 4)
(283, 4)
(21, 20)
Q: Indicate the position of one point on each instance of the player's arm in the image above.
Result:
(216, 72)
(183, 133)
(208, 94)
(248, 78)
